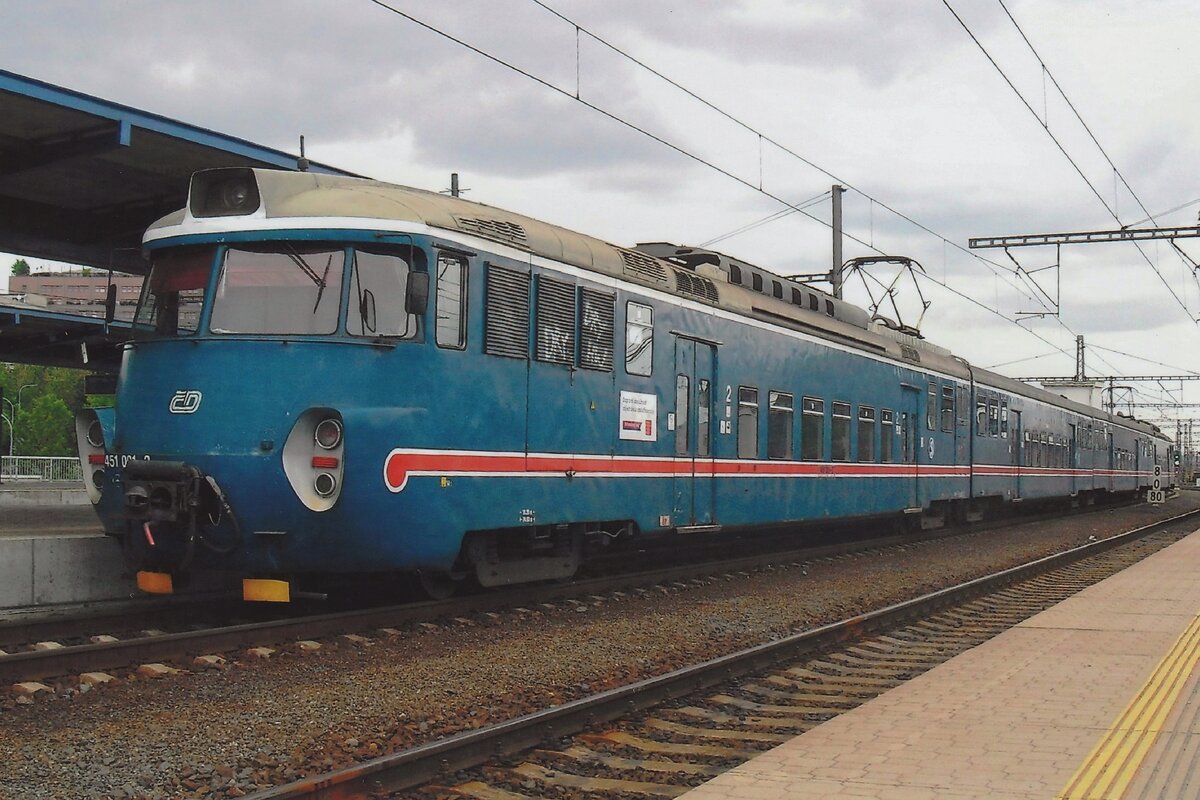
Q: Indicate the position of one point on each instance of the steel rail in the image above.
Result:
(417, 765)
(75, 659)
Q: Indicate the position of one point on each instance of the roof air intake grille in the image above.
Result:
(501, 231)
(647, 268)
(691, 284)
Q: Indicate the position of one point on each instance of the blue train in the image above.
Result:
(336, 376)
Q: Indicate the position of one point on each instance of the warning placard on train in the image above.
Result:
(638, 412)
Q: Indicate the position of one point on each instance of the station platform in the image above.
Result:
(1096, 697)
(52, 548)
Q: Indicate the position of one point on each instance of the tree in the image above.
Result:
(28, 384)
(44, 428)
(20, 267)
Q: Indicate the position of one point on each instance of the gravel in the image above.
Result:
(221, 733)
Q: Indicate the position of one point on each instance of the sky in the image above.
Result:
(893, 99)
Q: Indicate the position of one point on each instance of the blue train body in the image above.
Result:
(537, 393)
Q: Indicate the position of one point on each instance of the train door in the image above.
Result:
(1017, 456)
(1073, 463)
(1137, 463)
(910, 446)
(695, 391)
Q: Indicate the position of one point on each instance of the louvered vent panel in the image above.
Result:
(499, 230)
(596, 331)
(691, 284)
(506, 327)
(555, 321)
(643, 266)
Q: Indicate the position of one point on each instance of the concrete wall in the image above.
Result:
(37, 571)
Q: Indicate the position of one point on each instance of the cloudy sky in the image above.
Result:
(893, 97)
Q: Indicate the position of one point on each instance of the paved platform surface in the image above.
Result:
(1097, 697)
(24, 493)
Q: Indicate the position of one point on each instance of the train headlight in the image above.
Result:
(225, 192)
(236, 195)
(89, 436)
(328, 434)
(314, 458)
(95, 434)
(325, 484)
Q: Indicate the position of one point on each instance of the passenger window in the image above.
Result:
(931, 407)
(797, 297)
(866, 434)
(1004, 419)
(887, 432)
(812, 430)
(703, 416)
(839, 446)
(681, 415)
(981, 417)
(756, 281)
(747, 435)
(813, 303)
(777, 289)
(829, 307)
(779, 425)
(993, 417)
(639, 339)
(596, 330)
(735, 274)
(947, 408)
(378, 283)
(451, 328)
(964, 406)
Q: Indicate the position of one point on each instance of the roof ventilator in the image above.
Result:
(498, 230)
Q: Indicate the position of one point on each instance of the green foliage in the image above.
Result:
(45, 400)
(45, 428)
(20, 267)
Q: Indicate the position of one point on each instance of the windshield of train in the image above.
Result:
(285, 289)
(173, 292)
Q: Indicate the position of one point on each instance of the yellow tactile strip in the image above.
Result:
(1113, 762)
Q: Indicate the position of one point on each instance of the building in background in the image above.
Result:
(77, 292)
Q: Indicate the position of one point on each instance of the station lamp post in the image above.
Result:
(23, 388)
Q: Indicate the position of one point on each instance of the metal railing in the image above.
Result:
(40, 468)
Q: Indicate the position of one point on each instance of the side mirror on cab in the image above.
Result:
(110, 303)
(416, 296)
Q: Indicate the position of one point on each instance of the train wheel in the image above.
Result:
(437, 585)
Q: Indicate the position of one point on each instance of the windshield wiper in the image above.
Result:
(324, 275)
(299, 261)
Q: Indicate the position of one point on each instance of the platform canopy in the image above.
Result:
(81, 178)
(54, 338)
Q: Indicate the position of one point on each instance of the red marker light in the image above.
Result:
(324, 462)
(95, 458)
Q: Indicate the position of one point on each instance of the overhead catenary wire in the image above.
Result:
(1046, 71)
(700, 160)
(763, 221)
(1063, 150)
(1185, 370)
(762, 137)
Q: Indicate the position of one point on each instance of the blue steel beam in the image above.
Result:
(129, 118)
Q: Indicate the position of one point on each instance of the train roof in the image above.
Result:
(359, 202)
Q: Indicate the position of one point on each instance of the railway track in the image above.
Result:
(661, 736)
(114, 641)
(94, 649)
